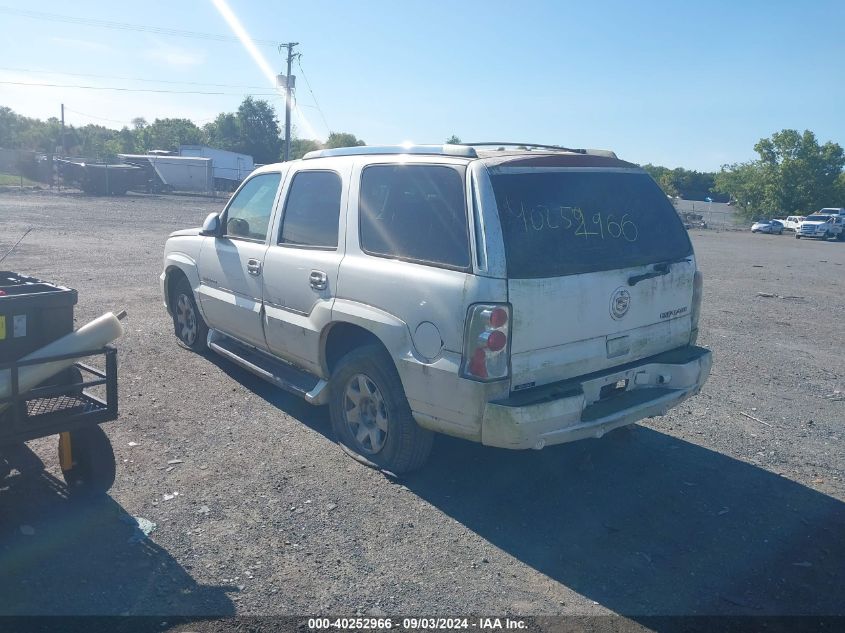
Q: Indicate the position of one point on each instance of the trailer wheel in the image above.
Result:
(93, 470)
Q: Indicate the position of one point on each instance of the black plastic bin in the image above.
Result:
(32, 314)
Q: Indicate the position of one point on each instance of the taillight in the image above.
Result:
(486, 342)
(695, 312)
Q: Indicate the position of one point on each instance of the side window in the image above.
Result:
(312, 210)
(248, 214)
(414, 212)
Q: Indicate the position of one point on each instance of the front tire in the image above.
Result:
(370, 414)
(188, 324)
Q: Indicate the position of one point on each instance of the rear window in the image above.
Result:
(557, 223)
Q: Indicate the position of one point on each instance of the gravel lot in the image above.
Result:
(703, 511)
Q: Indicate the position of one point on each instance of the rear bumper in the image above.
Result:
(572, 410)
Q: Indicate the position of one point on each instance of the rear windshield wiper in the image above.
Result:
(660, 269)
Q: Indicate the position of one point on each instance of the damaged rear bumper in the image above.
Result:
(592, 405)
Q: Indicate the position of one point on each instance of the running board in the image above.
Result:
(277, 372)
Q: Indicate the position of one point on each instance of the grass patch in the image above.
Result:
(10, 180)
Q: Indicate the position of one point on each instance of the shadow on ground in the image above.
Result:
(315, 418)
(639, 521)
(76, 558)
(645, 523)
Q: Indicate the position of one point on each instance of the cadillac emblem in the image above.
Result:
(620, 301)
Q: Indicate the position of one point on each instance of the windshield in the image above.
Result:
(817, 218)
(558, 223)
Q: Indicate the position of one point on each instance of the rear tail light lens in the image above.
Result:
(487, 342)
(495, 340)
(498, 317)
(695, 312)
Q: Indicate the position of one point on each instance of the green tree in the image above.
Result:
(343, 139)
(95, 142)
(301, 146)
(169, 134)
(663, 177)
(685, 183)
(744, 183)
(454, 140)
(259, 130)
(794, 175)
(10, 128)
(224, 132)
(840, 191)
(125, 142)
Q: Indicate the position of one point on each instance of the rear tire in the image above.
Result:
(93, 470)
(188, 324)
(370, 414)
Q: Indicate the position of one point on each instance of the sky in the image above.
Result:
(681, 84)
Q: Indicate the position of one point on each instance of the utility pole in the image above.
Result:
(64, 148)
(288, 88)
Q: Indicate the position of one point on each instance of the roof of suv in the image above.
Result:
(522, 154)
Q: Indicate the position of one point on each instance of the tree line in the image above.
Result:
(793, 174)
(253, 129)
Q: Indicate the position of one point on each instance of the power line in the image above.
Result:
(100, 118)
(123, 26)
(313, 96)
(160, 81)
(122, 89)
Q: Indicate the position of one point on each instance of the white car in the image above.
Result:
(773, 227)
(513, 297)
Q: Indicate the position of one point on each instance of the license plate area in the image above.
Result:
(613, 389)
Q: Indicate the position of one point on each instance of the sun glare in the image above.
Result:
(264, 66)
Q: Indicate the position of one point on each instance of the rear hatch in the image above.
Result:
(600, 268)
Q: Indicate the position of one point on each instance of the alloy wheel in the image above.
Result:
(365, 414)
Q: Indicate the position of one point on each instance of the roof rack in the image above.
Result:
(459, 150)
(558, 148)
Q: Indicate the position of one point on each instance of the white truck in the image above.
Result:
(510, 296)
(792, 222)
(823, 225)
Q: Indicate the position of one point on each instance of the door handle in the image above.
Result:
(318, 280)
(253, 267)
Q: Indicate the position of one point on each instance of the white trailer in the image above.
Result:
(230, 168)
(177, 173)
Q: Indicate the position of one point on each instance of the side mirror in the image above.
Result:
(211, 226)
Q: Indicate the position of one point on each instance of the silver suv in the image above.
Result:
(515, 297)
